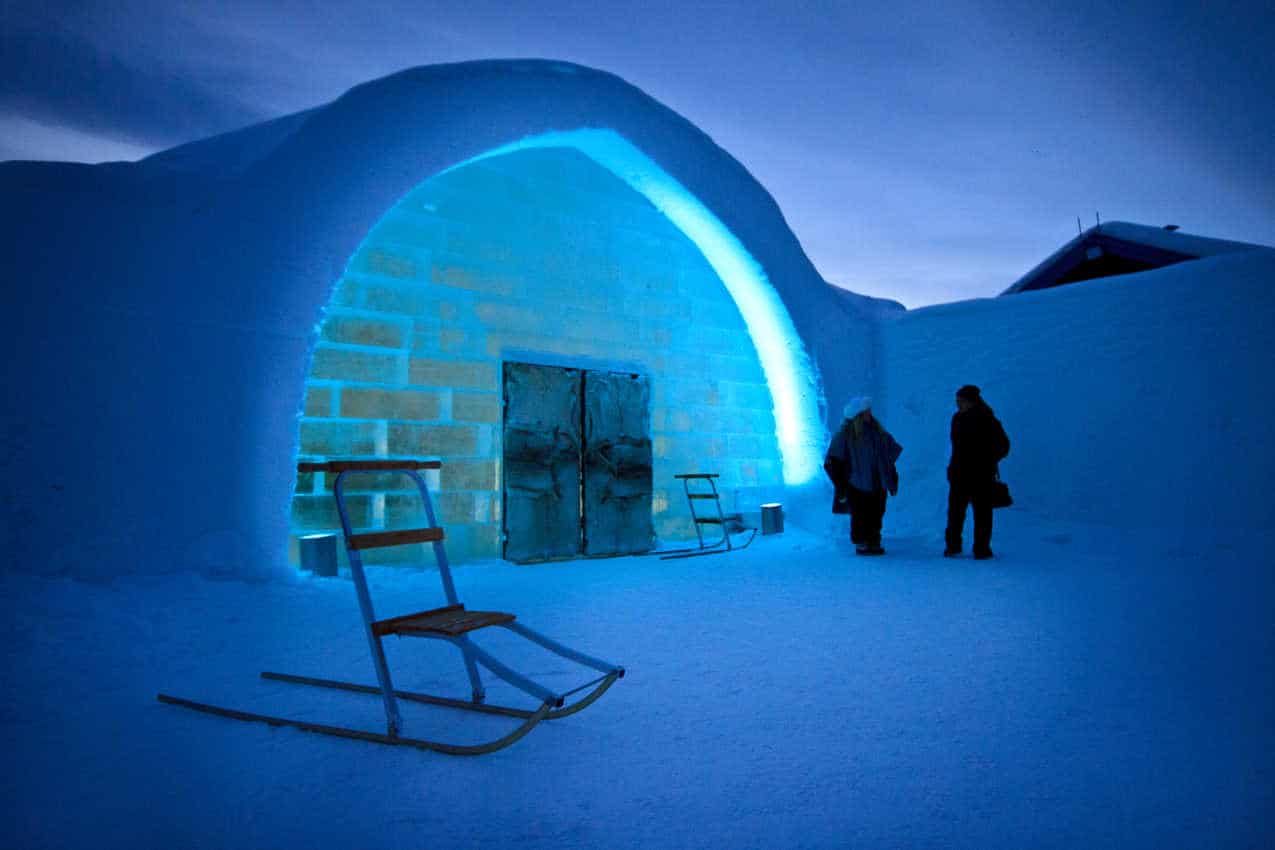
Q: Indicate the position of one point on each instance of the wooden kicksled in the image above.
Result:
(451, 623)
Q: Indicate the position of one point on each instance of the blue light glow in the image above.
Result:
(798, 428)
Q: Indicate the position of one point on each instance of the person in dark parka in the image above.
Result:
(979, 443)
(860, 463)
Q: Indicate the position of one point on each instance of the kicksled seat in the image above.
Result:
(452, 623)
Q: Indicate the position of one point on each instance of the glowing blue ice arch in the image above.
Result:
(798, 428)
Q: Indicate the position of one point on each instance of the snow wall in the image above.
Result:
(160, 316)
(1141, 400)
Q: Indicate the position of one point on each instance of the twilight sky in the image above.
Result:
(925, 152)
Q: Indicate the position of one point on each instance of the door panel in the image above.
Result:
(541, 462)
(617, 464)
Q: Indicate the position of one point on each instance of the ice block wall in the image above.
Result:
(536, 256)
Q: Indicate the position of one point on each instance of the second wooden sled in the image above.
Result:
(451, 623)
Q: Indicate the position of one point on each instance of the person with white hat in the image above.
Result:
(860, 462)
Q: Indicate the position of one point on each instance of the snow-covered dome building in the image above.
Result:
(395, 274)
(568, 294)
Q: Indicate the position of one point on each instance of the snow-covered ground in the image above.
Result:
(1090, 687)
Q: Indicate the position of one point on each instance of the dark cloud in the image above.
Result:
(55, 75)
(1196, 77)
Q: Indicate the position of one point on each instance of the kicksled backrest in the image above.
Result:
(356, 543)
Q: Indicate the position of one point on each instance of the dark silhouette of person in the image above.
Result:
(979, 443)
(860, 463)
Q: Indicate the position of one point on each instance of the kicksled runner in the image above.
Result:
(451, 623)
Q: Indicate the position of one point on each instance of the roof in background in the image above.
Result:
(1119, 247)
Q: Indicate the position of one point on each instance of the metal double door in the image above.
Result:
(577, 463)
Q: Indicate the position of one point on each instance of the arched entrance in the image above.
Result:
(536, 253)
